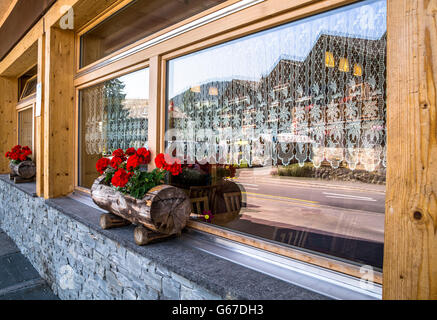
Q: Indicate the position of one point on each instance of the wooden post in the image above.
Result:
(8, 119)
(39, 120)
(58, 113)
(154, 112)
(410, 249)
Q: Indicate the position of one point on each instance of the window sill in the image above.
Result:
(29, 187)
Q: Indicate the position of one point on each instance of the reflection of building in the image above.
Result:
(329, 106)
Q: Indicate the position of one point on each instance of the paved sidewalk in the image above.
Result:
(18, 278)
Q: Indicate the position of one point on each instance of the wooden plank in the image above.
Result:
(39, 121)
(410, 249)
(154, 115)
(8, 119)
(23, 55)
(59, 113)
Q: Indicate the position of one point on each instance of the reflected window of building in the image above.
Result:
(282, 133)
(139, 19)
(113, 114)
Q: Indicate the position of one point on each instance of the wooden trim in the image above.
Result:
(88, 81)
(410, 247)
(76, 137)
(24, 104)
(39, 121)
(154, 114)
(84, 190)
(297, 254)
(8, 11)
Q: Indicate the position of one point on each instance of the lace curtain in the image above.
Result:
(303, 92)
(111, 119)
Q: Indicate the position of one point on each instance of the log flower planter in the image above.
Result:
(164, 210)
(22, 169)
(133, 195)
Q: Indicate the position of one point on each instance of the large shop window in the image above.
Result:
(113, 115)
(138, 20)
(293, 119)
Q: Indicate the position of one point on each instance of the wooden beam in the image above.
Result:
(39, 121)
(58, 113)
(8, 119)
(154, 114)
(410, 249)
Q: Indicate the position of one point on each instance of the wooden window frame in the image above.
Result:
(261, 16)
(22, 96)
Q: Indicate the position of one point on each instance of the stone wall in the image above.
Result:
(81, 263)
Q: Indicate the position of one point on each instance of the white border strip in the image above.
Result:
(243, 4)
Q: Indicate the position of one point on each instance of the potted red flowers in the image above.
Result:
(134, 195)
(21, 165)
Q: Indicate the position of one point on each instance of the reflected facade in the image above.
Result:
(283, 133)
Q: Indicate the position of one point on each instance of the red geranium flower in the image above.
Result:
(102, 164)
(130, 151)
(133, 162)
(175, 168)
(116, 161)
(16, 148)
(120, 154)
(22, 157)
(144, 154)
(160, 161)
(121, 178)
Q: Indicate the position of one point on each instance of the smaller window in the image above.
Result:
(25, 128)
(29, 88)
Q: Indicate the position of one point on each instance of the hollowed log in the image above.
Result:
(164, 209)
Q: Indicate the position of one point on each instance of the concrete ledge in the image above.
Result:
(63, 241)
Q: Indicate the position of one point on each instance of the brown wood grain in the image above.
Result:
(410, 249)
(59, 113)
(8, 119)
(39, 121)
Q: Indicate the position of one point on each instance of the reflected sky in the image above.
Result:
(251, 57)
(136, 84)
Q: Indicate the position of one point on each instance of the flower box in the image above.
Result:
(133, 195)
(22, 169)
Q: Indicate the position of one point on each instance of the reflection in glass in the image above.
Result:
(290, 124)
(113, 115)
(139, 19)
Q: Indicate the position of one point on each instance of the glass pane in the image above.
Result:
(138, 20)
(29, 88)
(25, 128)
(290, 124)
(113, 115)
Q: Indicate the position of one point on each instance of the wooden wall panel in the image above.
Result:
(58, 113)
(410, 253)
(8, 119)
